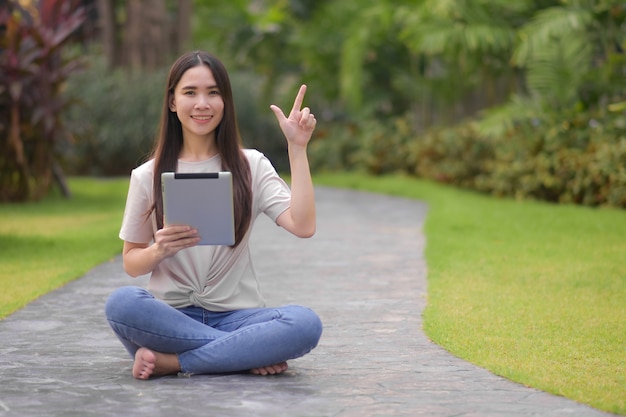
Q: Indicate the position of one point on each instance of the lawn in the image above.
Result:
(534, 292)
(531, 291)
(44, 245)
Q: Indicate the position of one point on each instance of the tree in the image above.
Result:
(463, 49)
(33, 70)
(572, 55)
(143, 34)
(378, 58)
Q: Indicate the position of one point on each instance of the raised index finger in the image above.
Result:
(297, 104)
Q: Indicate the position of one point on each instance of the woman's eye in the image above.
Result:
(214, 92)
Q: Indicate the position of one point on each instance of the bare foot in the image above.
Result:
(279, 368)
(145, 361)
(148, 363)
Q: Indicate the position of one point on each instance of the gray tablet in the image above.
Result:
(203, 201)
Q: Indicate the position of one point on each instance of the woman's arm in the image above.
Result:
(142, 258)
(300, 218)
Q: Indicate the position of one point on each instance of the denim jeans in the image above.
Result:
(212, 342)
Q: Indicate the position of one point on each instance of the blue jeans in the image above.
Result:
(212, 342)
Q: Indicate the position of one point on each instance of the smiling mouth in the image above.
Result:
(202, 118)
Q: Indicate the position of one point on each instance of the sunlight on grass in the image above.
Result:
(531, 291)
(44, 245)
(51, 225)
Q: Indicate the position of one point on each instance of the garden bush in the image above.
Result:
(258, 126)
(580, 160)
(115, 121)
(454, 156)
(118, 113)
(333, 146)
(372, 146)
(382, 146)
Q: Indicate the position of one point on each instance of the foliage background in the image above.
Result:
(520, 99)
(34, 68)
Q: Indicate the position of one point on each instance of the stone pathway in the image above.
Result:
(364, 273)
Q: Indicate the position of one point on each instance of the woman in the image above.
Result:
(204, 312)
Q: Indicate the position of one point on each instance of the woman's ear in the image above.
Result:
(172, 103)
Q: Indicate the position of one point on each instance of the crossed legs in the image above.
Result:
(164, 340)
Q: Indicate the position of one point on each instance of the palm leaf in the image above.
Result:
(559, 68)
(519, 109)
(367, 27)
(548, 25)
(457, 26)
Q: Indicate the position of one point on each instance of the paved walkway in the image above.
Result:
(364, 273)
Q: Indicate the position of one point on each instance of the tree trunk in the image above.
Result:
(183, 26)
(133, 30)
(59, 178)
(107, 30)
(148, 36)
(22, 191)
(157, 43)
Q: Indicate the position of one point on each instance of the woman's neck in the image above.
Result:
(198, 150)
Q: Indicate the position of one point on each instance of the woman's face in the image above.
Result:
(198, 103)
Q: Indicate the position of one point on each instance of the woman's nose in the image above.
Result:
(203, 101)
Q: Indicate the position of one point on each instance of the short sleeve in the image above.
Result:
(137, 225)
(271, 193)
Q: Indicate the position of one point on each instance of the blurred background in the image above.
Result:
(523, 99)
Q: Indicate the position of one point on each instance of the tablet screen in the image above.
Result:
(203, 201)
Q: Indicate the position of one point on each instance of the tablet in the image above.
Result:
(203, 201)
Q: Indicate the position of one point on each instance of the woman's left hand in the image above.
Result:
(299, 126)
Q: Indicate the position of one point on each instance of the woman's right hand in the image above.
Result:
(173, 238)
(141, 258)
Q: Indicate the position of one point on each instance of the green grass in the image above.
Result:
(531, 291)
(46, 244)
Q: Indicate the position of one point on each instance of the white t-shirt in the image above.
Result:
(217, 278)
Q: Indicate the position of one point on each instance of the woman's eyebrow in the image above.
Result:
(193, 87)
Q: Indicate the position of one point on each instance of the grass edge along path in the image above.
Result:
(533, 292)
(46, 244)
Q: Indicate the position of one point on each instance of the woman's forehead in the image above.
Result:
(199, 76)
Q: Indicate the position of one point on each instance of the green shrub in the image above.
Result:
(117, 120)
(372, 146)
(582, 160)
(453, 156)
(258, 126)
(383, 146)
(333, 146)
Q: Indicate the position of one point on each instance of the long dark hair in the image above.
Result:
(169, 141)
